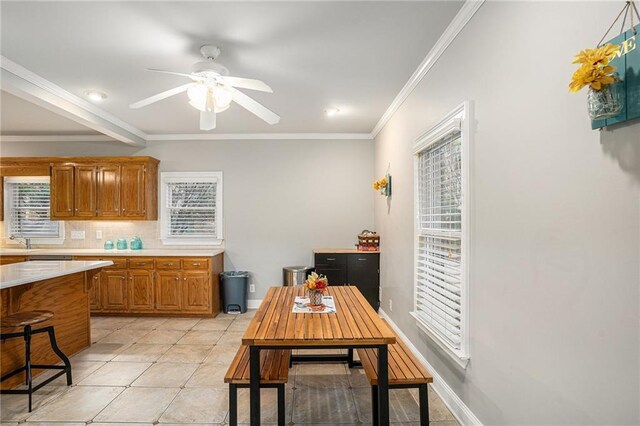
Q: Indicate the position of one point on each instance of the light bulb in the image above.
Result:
(222, 97)
(198, 96)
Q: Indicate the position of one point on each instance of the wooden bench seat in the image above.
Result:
(405, 371)
(274, 373)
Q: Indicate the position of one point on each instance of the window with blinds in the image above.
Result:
(27, 208)
(191, 208)
(440, 283)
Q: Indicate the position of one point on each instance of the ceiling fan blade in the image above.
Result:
(246, 83)
(254, 107)
(160, 96)
(191, 76)
(207, 120)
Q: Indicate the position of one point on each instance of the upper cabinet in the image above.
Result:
(96, 188)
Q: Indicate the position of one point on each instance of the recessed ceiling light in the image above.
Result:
(95, 96)
(331, 112)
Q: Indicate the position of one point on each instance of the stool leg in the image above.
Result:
(424, 405)
(281, 406)
(233, 405)
(27, 359)
(374, 405)
(63, 357)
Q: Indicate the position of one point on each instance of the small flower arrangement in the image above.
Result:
(316, 282)
(594, 70)
(383, 185)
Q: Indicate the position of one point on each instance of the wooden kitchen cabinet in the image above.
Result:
(168, 291)
(141, 294)
(85, 190)
(108, 192)
(113, 290)
(133, 190)
(62, 191)
(6, 260)
(196, 291)
(94, 293)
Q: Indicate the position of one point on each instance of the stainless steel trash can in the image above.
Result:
(295, 275)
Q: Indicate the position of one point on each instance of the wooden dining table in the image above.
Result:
(355, 324)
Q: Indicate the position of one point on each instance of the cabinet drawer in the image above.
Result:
(331, 259)
(141, 263)
(118, 262)
(168, 263)
(196, 263)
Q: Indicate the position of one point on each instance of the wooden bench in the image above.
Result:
(274, 373)
(405, 371)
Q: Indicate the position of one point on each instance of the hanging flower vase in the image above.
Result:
(604, 103)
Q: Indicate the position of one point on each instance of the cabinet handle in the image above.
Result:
(361, 258)
(177, 278)
(68, 210)
(141, 263)
(196, 264)
(95, 278)
(76, 209)
(123, 209)
(331, 258)
(131, 278)
(169, 264)
(185, 278)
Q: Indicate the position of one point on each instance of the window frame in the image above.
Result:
(458, 119)
(8, 205)
(171, 177)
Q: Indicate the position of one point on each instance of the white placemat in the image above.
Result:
(300, 306)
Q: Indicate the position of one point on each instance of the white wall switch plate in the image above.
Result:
(98, 235)
(252, 288)
(77, 235)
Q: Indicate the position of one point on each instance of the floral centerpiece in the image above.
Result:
(316, 286)
(596, 73)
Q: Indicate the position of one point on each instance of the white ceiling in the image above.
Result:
(355, 56)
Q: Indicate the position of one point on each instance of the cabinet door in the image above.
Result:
(109, 191)
(94, 293)
(61, 191)
(133, 190)
(196, 292)
(141, 290)
(333, 266)
(113, 289)
(363, 272)
(168, 291)
(85, 187)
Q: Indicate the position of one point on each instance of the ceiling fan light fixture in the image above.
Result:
(222, 97)
(331, 112)
(95, 95)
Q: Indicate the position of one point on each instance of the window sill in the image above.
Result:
(462, 361)
(191, 242)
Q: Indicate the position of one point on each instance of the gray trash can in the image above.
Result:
(234, 291)
(295, 275)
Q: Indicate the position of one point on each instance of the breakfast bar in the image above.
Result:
(61, 287)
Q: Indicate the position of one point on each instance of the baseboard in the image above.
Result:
(253, 303)
(458, 408)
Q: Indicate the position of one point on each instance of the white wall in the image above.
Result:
(282, 198)
(555, 278)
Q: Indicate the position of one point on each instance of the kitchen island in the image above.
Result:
(61, 287)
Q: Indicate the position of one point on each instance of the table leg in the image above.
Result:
(383, 385)
(254, 384)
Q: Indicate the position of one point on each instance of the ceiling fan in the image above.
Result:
(212, 90)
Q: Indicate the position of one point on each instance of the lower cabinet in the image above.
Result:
(157, 285)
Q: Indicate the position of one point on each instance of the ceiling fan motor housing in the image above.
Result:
(207, 68)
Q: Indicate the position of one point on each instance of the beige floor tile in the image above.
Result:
(178, 324)
(116, 374)
(358, 378)
(142, 353)
(112, 323)
(222, 354)
(186, 353)
(138, 405)
(437, 410)
(146, 323)
(203, 405)
(166, 374)
(213, 324)
(124, 336)
(210, 375)
(268, 405)
(80, 403)
(15, 407)
(321, 375)
(79, 370)
(233, 338)
(121, 424)
(320, 405)
(99, 333)
(159, 337)
(402, 406)
(222, 315)
(100, 352)
(53, 424)
(239, 326)
(200, 337)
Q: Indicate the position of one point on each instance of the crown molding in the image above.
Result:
(259, 136)
(31, 87)
(464, 15)
(55, 138)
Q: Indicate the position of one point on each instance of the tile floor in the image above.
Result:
(144, 371)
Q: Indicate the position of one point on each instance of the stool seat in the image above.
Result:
(22, 319)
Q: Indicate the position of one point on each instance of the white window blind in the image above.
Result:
(28, 208)
(440, 245)
(191, 208)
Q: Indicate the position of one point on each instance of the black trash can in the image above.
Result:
(234, 291)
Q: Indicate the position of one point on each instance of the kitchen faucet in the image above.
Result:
(26, 242)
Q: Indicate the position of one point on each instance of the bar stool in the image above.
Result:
(26, 320)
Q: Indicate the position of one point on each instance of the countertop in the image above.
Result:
(344, 251)
(16, 274)
(114, 252)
